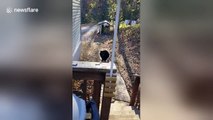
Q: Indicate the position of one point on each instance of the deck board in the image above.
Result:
(92, 66)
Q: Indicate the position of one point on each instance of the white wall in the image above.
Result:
(76, 29)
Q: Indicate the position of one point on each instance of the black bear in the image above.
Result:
(104, 55)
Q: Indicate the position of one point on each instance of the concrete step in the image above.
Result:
(122, 112)
(124, 117)
(119, 104)
(121, 109)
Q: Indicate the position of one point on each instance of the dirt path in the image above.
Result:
(86, 27)
(88, 31)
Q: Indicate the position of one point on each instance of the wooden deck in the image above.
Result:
(96, 71)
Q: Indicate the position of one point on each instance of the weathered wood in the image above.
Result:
(109, 95)
(97, 92)
(138, 101)
(110, 79)
(84, 89)
(108, 84)
(106, 104)
(135, 90)
(92, 66)
(88, 75)
(97, 72)
(110, 90)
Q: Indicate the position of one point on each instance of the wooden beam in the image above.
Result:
(135, 90)
(100, 76)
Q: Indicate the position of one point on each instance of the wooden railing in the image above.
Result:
(135, 97)
(97, 72)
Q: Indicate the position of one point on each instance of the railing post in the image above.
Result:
(84, 89)
(135, 90)
(97, 90)
(109, 88)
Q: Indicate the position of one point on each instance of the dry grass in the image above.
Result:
(128, 54)
(89, 51)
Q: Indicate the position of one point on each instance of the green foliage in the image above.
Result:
(123, 26)
(92, 5)
(131, 9)
(98, 10)
(112, 10)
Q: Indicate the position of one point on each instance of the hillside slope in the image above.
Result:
(127, 51)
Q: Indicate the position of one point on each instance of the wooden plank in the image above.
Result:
(97, 92)
(138, 100)
(135, 90)
(92, 66)
(109, 95)
(106, 104)
(111, 79)
(107, 84)
(109, 89)
(84, 89)
(100, 76)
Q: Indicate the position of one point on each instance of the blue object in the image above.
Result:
(79, 108)
(94, 110)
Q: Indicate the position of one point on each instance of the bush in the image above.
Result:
(123, 26)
